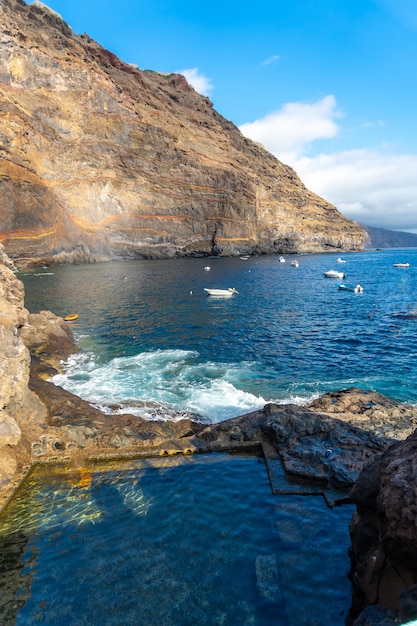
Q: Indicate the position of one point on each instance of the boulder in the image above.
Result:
(384, 528)
(370, 411)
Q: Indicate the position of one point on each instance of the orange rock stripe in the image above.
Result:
(25, 234)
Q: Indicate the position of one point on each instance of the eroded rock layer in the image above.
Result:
(100, 160)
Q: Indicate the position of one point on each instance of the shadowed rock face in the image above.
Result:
(384, 529)
(100, 160)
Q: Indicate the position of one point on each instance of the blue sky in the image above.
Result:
(328, 86)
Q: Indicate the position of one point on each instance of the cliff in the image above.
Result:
(100, 160)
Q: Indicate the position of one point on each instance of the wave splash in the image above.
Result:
(163, 384)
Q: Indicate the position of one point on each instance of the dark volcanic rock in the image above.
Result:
(370, 411)
(311, 446)
(384, 529)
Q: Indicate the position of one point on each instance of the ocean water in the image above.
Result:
(154, 344)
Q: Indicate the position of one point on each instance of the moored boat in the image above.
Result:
(400, 265)
(221, 293)
(334, 274)
(356, 289)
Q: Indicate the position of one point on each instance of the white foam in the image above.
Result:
(165, 384)
(222, 400)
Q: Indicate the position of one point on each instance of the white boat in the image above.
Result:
(357, 289)
(400, 265)
(207, 268)
(334, 274)
(281, 259)
(295, 263)
(339, 260)
(221, 293)
(244, 258)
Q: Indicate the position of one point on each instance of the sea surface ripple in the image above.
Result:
(153, 343)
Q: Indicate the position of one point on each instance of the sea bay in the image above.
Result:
(153, 343)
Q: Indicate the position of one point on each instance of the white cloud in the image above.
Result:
(376, 188)
(270, 60)
(198, 81)
(289, 131)
(372, 186)
(373, 124)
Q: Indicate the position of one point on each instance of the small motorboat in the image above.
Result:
(71, 317)
(334, 274)
(357, 289)
(295, 263)
(339, 260)
(281, 259)
(400, 265)
(244, 258)
(207, 268)
(221, 293)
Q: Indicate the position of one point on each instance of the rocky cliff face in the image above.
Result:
(19, 407)
(101, 160)
(23, 415)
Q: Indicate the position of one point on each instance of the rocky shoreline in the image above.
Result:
(350, 446)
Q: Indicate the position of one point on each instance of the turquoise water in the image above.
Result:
(173, 542)
(154, 344)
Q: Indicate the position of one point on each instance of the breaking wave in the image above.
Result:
(164, 384)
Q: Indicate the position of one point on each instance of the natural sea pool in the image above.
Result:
(171, 541)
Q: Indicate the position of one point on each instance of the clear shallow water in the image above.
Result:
(156, 345)
(172, 542)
